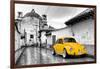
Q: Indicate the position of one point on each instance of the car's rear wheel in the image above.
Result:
(65, 54)
(53, 52)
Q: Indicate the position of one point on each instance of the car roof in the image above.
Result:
(66, 37)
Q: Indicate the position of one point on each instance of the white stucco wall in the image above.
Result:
(62, 32)
(49, 41)
(43, 37)
(59, 33)
(84, 31)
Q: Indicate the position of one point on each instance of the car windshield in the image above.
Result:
(69, 40)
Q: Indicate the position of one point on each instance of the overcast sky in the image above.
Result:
(56, 15)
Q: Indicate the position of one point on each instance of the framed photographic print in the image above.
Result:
(51, 34)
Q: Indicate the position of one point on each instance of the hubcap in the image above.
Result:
(64, 54)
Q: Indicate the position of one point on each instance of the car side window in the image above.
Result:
(60, 41)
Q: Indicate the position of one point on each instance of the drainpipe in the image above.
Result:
(73, 34)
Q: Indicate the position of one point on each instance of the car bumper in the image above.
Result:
(78, 53)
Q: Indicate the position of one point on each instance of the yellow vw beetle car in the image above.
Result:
(68, 46)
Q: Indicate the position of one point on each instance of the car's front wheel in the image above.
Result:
(64, 53)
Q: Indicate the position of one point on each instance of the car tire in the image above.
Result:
(53, 52)
(84, 55)
(65, 54)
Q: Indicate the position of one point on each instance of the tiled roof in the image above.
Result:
(80, 17)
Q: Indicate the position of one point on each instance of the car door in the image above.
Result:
(59, 46)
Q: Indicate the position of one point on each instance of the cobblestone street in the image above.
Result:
(34, 55)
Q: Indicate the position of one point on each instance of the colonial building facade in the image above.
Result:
(29, 29)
